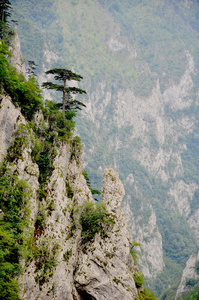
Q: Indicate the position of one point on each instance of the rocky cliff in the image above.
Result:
(190, 276)
(102, 268)
(142, 110)
(146, 142)
(62, 255)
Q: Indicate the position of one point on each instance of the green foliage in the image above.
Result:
(139, 280)
(29, 98)
(145, 294)
(23, 138)
(46, 258)
(95, 219)
(15, 238)
(59, 128)
(25, 94)
(53, 130)
(76, 147)
(176, 234)
(170, 293)
(70, 192)
(5, 7)
(45, 162)
(192, 295)
(14, 196)
(197, 267)
(93, 191)
(65, 75)
(151, 26)
(67, 254)
(133, 251)
(191, 282)
(15, 151)
(190, 155)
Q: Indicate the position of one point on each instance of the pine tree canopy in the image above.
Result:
(65, 75)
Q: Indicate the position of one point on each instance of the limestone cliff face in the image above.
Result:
(151, 261)
(104, 268)
(17, 59)
(143, 131)
(143, 137)
(9, 118)
(189, 275)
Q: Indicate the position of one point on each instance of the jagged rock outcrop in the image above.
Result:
(104, 269)
(10, 117)
(144, 137)
(17, 59)
(56, 263)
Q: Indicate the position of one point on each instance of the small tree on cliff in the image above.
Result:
(65, 75)
(5, 6)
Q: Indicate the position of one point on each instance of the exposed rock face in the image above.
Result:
(152, 138)
(189, 273)
(10, 117)
(105, 269)
(17, 60)
(194, 223)
(151, 260)
(183, 194)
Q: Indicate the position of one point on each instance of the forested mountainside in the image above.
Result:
(139, 60)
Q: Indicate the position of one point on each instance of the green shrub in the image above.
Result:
(145, 294)
(197, 267)
(14, 195)
(192, 295)
(76, 147)
(134, 252)
(139, 280)
(25, 94)
(46, 259)
(191, 282)
(70, 192)
(95, 219)
(62, 128)
(67, 254)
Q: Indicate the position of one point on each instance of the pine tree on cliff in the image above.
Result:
(65, 75)
(5, 6)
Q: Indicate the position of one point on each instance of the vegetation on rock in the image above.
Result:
(65, 75)
(95, 219)
(192, 295)
(16, 237)
(5, 7)
(14, 220)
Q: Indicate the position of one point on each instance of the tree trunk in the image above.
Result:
(64, 98)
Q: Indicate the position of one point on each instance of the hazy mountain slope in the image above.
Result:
(140, 66)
